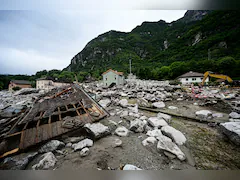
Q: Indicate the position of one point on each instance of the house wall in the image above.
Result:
(190, 80)
(12, 85)
(121, 80)
(49, 84)
(59, 84)
(44, 84)
(111, 77)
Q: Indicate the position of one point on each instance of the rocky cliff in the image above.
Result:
(157, 44)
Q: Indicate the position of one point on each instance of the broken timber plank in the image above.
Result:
(9, 152)
(173, 114)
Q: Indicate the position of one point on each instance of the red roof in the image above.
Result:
(118, 73)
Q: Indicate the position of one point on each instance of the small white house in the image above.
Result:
(192, 77)
(113, 77)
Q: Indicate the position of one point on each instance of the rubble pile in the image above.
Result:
(13, 102)
(71, 109)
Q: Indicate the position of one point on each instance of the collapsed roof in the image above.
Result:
(55, 114)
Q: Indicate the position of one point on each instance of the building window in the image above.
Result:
(115, 77)
(194, 79)
(186, 79)
(106, 78)
(106, 84)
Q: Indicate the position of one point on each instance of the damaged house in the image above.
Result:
(50, 83)
(58, 112)
(19, 83)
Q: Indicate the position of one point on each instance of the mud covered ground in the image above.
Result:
(208, 149)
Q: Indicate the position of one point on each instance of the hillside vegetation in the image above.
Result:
(161, 50)
(200, 41)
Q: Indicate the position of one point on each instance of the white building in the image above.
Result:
(192, 77)
(50, 83)
(113, 77)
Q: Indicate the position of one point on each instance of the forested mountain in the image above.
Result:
(199, 41)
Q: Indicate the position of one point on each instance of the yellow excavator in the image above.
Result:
(220, 76)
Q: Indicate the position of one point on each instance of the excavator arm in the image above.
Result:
(220, 76)
(206, 74)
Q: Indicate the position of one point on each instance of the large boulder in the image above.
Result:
(18, 162)
(84, 152)
(149, 141)
(174, 134)
(123, 102)
(136, 115)
(124, 114)
(232, 131)
(137, 125)
(205, 114)
(105, 102)
(48, 160)
(97, 129)
(143, 118)
(130, 167)
(158, 104)
(123, 94)
(234, 120)
(134, 109)
(143, 103)
(157, 122)
(154, 133)
(234, 115)
(82, 144)
(164, 116)
(74, 139)
(217, 115)
(117, 143)
(166, 144)
(51, 146)
(172, 107)
(121, 131)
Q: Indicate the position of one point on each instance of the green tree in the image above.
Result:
(66, 75)
(1, 85)
(176, 69)
(164, 72)
(40, 74)
(226, 65)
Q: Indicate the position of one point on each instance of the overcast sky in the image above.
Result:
(31, 41)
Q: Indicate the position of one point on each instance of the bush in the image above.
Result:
(195, 84)
(16, 88)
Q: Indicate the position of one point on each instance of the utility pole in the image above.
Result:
(209, 54)
(76, 77)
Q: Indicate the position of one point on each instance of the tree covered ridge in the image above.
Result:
(218, 33)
